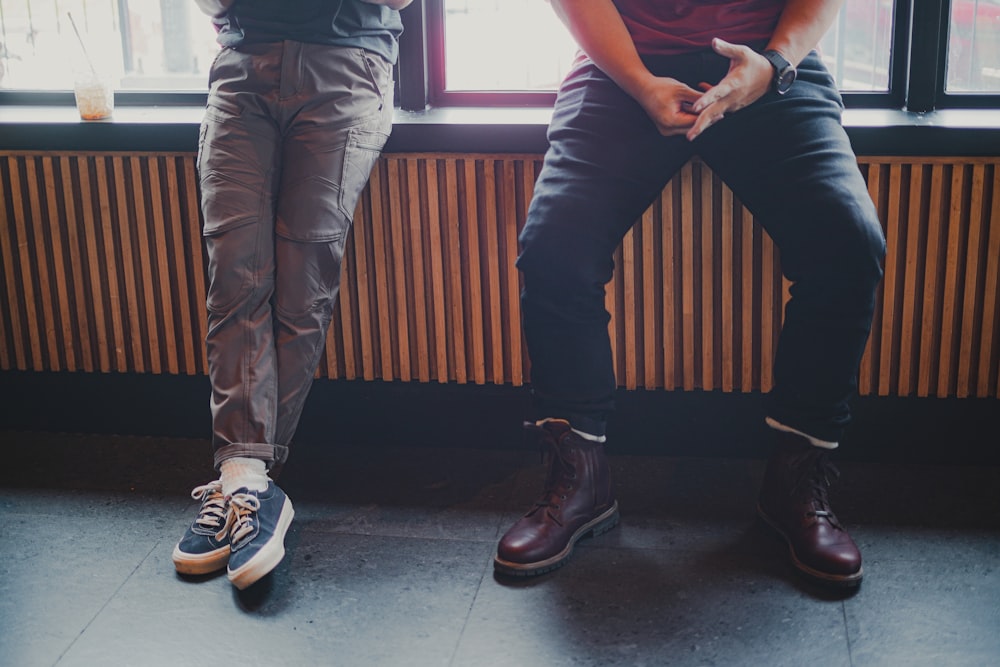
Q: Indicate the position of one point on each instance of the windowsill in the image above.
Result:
(973, 132)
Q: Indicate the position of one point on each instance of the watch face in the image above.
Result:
(785, 80)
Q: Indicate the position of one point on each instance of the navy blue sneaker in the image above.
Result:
(205, 545)
(257, 523)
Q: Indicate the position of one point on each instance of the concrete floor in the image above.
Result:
(390, 563)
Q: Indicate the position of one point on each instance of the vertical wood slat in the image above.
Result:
(95, 301)
(969, 305)
(59, 269)
(910, 256)
(14, 355)
(23, 221)
(987, 383)
(103, 270)
(669, 328)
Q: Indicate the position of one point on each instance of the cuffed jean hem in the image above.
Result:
(826, 429)
(272, 455)
(583, 423)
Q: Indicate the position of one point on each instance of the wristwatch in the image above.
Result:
(784, 71)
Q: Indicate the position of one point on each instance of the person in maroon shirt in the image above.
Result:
(739, 84)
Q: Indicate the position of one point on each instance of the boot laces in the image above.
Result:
(816, 474)
(561, 475)
(241, 517)
(213, 504)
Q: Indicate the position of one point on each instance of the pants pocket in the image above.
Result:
(363, 149)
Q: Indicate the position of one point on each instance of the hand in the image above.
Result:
(749, 77)
(668, 103)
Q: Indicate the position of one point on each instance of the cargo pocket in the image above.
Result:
(364, 146)
(234, 199)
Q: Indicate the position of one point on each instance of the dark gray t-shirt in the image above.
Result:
(348, 23)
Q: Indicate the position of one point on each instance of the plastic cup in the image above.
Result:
(95, 96)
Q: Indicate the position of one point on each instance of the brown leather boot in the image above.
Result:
(577, 502)
(793, 501)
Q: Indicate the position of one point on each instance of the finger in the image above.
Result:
(715, 95)
(705, 121)
(677, 128)
(724, 48)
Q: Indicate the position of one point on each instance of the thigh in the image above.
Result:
(333, 141)
(328, 153)
(236, 165)
(789, 160)
(605, 164)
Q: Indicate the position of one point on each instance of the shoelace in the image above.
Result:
(554, 490)
(213, 504)
(818, 473)
(240, 519)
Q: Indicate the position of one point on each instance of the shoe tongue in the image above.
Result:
(555, 426)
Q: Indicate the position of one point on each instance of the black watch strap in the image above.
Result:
(784, 71)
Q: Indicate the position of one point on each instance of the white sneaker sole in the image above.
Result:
(205, 563)
(269, 556)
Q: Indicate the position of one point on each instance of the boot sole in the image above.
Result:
(269, 555)
(593, 528)
(828, 578)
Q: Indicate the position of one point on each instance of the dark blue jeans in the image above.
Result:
(789, 161)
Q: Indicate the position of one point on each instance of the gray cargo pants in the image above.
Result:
(289, 139)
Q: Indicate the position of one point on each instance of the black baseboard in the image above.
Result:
(672, 423)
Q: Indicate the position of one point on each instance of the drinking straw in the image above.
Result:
(82, 45)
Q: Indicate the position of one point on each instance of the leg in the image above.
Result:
(334, 117)
(789, 161)
(328, 155)
(236, 163)
(606, 163)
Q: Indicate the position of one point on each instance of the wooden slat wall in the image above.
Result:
(103, 271)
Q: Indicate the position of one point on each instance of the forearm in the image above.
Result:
(392, 4)
(802, 24)
(599, 30)
(214, 7)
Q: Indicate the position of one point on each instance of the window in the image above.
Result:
(543, 53)
(858, 45)
(974, 47)
(957, 62)
(487, 52)
(142, 44)
(856, 48)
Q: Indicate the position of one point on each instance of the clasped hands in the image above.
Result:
(678, 109)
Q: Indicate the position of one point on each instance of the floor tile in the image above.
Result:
(336, 599)
(58, 572)
(928, 611)
(654, 607)
(441, 494)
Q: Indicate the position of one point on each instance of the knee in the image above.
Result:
(561, 270)
(307, 279)
(864, 247)
(562, 283)
(845, 247)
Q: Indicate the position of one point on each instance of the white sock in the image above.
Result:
(586, 436)
(242, 472)
(815, 442)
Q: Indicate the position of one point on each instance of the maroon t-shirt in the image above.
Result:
(669, 27)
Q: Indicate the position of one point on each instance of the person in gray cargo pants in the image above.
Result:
(300, 105)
